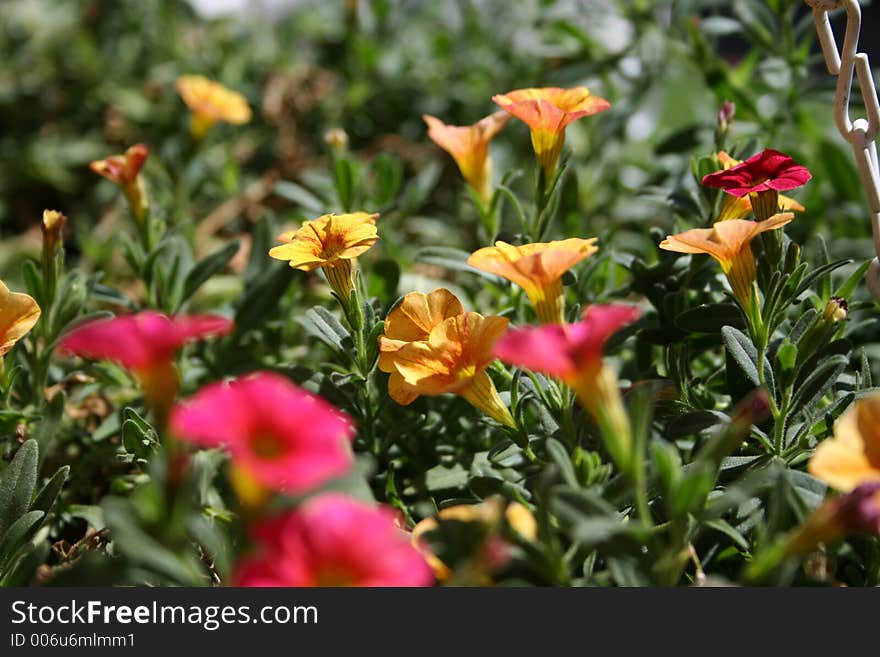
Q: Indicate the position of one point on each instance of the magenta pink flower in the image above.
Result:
(573, 353)
(333, 540)
(279, 436)
(568, 352)
(142, 340)
(144, 343)
(768, 170)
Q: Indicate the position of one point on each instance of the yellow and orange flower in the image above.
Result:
(852, 456)
(548, 111)
(740, 207)
(52, 226)
(124, 170)
(489, 514)
(431, 347)
(211, 102)
(730, 243)
(469, 146)
(537, 268)
(332, 242)
(18, 314)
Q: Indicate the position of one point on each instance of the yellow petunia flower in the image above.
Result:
(432, 348)
(730, 243)
(331, 242)
(740, 207)
(548, 111)
(469, 146)
(211, 102)
(852, 456)
(18, 314)
(537, 268)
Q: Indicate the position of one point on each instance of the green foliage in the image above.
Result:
(726, 405)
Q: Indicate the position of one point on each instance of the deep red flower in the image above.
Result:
(768, 170)
(333, 540)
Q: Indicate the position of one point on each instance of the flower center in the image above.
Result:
(267, 446)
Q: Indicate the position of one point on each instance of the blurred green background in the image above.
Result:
(80, 79)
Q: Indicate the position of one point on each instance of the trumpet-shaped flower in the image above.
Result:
(146, 344)
(730, 243)
(18, 314)
(573, 354)
(740, 207)
(469, 146)
(761, 178)
(332, 540)
(855, 512)
(124, 170)
(210, 102)
(430, 351)
(548, 111)
(852, 456)
(538, 269)
(331, 242)
(493, 551)
(412, 321)
(279, 436)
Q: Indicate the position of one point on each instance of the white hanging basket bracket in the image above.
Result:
(862, 132)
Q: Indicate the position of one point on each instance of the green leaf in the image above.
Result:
(261, 298)
(441, 477)
(559, 455)
(47, 430)
(45, 499)
(302, 197)
(691, 493)
(818, 383)
(322, 324)
(17, 484)
(449, 258)
(207, 267)
(743, 352)
(344, 177)
(710, 318)
(17, 534)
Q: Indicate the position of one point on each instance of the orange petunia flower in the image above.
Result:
(125, 170)
(469, 146)
(431, 348)
(410, 321)
(492, 551)
(740, 207)
(211, 102)
(18, 314)
(547, 111)
(852, 456)
(331, 242)
(730, 243)
(537, 268)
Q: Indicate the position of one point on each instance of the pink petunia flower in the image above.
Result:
(333, 540)
(768, 170)
(144, 343)
(573, 353)
(279, 436)
(567, 352)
